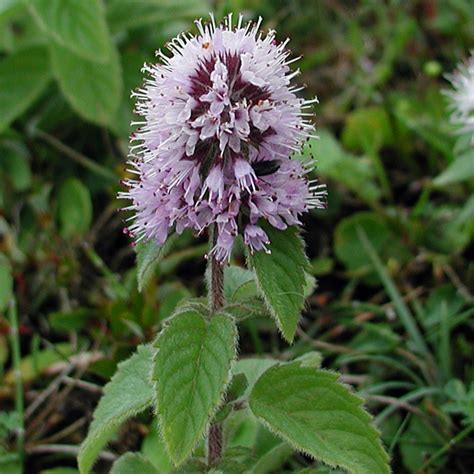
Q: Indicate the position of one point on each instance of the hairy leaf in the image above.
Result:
(23, 77)
(128, 393)
(149, 255)
(319, 416)
(77, 25)
(239, 283)
(94, 90)
(281, 277)
(191, 370)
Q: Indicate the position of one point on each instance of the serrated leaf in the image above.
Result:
(94, 90)
(74, 208)
(239, 283)
(461, 169)
(77, 25)
(129, 392)
(149, 254)
(320, 417)
(191, 370)
(281, 277)
(23, 77)
(133, 463)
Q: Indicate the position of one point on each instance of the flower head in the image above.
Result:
(462, 96)
(221, 123)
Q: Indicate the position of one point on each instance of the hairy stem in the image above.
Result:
(216, 297)
(216, 278)
(214, 444)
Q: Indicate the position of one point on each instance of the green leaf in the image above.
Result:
(128, 14)
(128, 393)
(273, 460)
(281, 277)
(8, 7)
(23, 78)
(71, 320)
(94, 90)
(15, 164)
(252, 368)
(154, 449)
(10, 463)
(133, 463)
(74, 208)
(149, 254)
(6, 282)
(367, 129)
(353, 172)
(77, 25)
(322, 265)
(461, 169)
(191, 370)
(320, 417)
(239, 283)
(419, 442)
(350, 251)
(237, 387)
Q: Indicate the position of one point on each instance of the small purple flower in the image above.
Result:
(221, 123)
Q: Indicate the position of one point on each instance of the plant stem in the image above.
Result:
(216, 278)
(16, 358)
(216, 297)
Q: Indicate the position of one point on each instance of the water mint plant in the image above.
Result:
(218, 152)
(221, 121)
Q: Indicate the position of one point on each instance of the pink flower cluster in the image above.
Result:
(221, 122)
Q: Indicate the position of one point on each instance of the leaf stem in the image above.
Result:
(216, 299)
(16, 357)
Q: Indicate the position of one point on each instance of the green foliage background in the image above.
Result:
(392, 253)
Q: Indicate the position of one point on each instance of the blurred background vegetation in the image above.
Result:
(394, 307)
